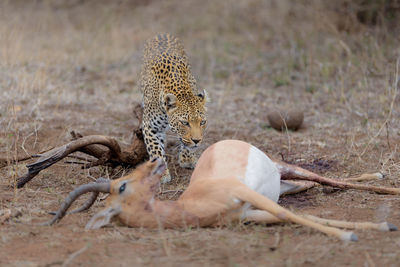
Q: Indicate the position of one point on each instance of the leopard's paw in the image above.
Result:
(187, 161)
(166, 178)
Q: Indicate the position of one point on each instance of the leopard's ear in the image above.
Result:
(169, 101)
(203, 95)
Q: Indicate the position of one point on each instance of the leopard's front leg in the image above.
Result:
(154, 138)
(187, 157)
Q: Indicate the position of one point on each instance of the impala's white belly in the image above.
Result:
(262, 175)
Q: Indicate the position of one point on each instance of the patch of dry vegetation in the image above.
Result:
(74, 65)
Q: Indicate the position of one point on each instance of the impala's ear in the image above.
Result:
(169, 101)
(156, 173)
(102, 218)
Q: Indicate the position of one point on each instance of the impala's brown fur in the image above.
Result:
(137, 205)
(217, 195)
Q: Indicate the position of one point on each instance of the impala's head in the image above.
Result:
(186, 115)
(138, 186)
(141, 184)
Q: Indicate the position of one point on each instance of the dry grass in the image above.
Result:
(74, 66)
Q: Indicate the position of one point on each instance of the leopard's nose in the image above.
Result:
(196, 141)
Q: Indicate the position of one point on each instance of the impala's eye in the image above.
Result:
(203, 122)
(122, 188)
(186, 123)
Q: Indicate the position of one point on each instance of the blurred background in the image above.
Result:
(336, 60)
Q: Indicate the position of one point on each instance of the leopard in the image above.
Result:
(171, 100)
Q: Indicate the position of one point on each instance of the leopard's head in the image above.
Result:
(187, 116)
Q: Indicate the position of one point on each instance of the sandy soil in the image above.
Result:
(74, 65)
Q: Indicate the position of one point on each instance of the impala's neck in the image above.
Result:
(173, 214)
(156, 213)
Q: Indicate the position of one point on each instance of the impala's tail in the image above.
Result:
(291, 172)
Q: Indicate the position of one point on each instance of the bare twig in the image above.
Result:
(371, 263)
(6, 161)
(277, 241)
(74, 255)
(389, 116)
(387, 136)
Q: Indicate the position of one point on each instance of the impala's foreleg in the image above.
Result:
(291, 172)
(289, 187)
(243, 193)
(366, 177)
(261, 216)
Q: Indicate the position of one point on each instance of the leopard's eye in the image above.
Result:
(203, 122)
(186, 123)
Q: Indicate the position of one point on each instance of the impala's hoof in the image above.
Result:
(353, 237)
(392, 227)
(379, 175)
(349, 236)
(387, 227)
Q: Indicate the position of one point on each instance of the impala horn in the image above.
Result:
(101, 185)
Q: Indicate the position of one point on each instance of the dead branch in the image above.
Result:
(5, 162)
(106, 149)
(8, 161)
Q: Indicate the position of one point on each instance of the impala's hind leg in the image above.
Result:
(261, 216)
(384, 226)
(245, 194)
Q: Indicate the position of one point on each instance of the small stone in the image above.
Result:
(282, 120)
(16, 213)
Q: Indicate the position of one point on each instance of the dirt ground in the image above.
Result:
(74, 65)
